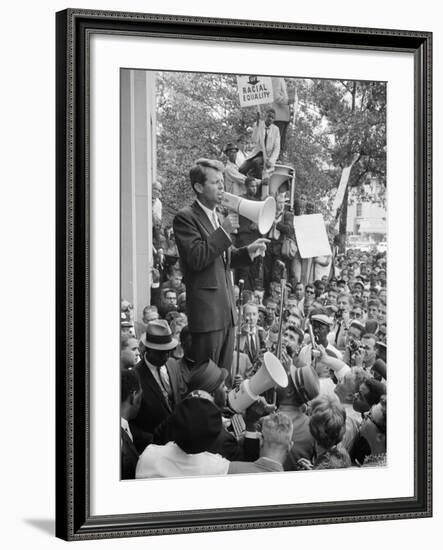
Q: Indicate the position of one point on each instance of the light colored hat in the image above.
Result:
(158, 335)
(358, 325)
(322, 318)
(306, 383)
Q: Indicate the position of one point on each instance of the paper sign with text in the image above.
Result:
(311, 236)
(255, 90)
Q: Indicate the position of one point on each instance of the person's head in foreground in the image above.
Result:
(327, 426)
(276, 436)
(129, 351)
(157, 342)
(210, 378)
(369, 394)
(207, 182)
(130, 394)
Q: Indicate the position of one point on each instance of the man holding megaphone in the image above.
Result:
(207, 255)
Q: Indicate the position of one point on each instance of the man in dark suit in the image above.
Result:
(131, 395)
(252, 339)
(160, 381)
(207, 255)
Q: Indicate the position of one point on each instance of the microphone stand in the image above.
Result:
(239, 325)
(280, 326)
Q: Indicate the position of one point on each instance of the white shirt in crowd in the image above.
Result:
(170, 461)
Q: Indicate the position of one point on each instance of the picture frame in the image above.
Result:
(74, 29)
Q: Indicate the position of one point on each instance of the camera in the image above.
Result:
(354, 346)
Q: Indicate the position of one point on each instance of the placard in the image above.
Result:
(254, 90)
(312, 239)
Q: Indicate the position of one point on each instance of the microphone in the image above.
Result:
(282, 265)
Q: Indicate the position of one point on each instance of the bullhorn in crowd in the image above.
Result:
(270, 374)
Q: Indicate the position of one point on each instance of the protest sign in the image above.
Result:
(255, 90)
(311, 236)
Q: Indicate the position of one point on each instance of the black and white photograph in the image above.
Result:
(253, 274)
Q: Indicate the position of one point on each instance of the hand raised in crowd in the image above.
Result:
(155, 275)
(258, 247)
(357, 358)
(286, 360)
(258, 409)
(304, 464)
(238, 379)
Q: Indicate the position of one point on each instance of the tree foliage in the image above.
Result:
(198, 113)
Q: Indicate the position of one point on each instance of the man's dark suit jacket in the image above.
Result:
(209, 292)
(259, 339)
(154, 408)
(129, 456)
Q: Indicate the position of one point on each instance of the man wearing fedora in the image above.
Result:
(207, 255)
(160, 381)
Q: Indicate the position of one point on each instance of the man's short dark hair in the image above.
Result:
(171, 315)
(198, 173)
(124, 339)
(150, 308)
(270, 110)
(129, 384)
(184, 334)
(376, 390)
(296, 331)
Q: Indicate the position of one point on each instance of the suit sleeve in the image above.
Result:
(198, 253)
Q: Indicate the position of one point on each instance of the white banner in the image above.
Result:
(338, 199)
(254, 90)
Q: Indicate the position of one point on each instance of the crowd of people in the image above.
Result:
(201, 336)
(330, 335)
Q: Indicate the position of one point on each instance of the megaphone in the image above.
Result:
(260, 212)
(279, 176)
(270, 374)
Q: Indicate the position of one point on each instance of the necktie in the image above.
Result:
(266, 135)
(164, 380)
(338, 332)
(252, 347)
(215, 222)
(128, 431)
